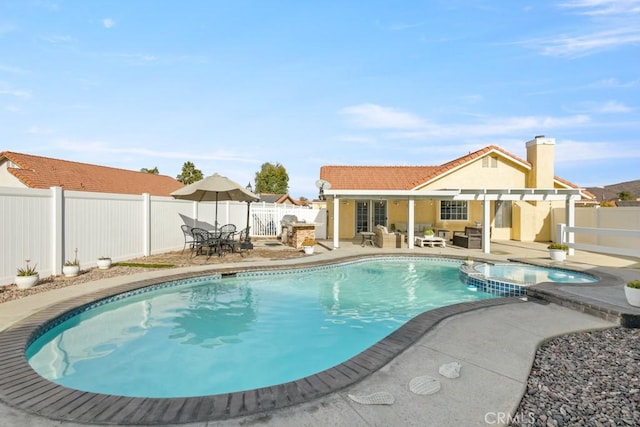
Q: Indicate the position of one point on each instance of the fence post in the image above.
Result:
(146, 224)
(57, 230)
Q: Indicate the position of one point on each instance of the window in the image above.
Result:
(503, 213)
(489, 162)
(453, 210)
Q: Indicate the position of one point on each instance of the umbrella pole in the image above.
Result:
(215, 224)
(247, 243)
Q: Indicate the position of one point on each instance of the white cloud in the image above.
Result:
(607, 107)
(377, 117)
(17, 93)
(587, 44)
(35, 130)
(404, 125)
(614, 83)
(569, 151)
(57, 39)
(603, 7)
(108, 23)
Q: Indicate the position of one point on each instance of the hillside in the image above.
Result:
(610, 192)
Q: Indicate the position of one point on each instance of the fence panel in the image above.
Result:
(46, 226)
(102, 224)
(25, 231)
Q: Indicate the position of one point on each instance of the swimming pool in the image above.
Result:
(531, 274)
(222, 335)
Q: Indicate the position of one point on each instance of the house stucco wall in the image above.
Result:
(7, 179)
(506, 174)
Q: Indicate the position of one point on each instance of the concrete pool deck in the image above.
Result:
(494, 344)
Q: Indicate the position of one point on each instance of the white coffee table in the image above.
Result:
(430, 241)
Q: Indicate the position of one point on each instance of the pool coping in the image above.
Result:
(22, 388)
(553, 292)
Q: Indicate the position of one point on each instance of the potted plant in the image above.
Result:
(428, 232)
(558, 251)
(104, 262)
(308, 245)
(632, 292)
(27, 276)
(468, 260)
(72, 268)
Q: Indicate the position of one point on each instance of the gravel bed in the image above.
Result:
(584, 379)
(176, 259)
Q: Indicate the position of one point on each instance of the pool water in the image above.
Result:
(524, 273)
(234, 334)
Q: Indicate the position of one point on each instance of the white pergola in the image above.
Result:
(569, 196)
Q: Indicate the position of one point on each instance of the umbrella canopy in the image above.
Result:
(215, 188)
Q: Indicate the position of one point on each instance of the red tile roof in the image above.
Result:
(45, 172)
(406, 177)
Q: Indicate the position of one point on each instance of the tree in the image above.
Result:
(154, 171)
(272, 179)
(189, 174)
(625, 195)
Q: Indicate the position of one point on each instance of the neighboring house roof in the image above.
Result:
(45, 172)
(410, 177)
(277, 198)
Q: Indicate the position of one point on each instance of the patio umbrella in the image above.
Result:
(215, 188)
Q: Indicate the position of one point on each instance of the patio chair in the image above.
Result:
(226, 239)
(204, 239)
(188, 237)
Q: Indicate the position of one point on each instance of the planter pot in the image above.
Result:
(70, 270)
(104, 264)
(25, 282)
(633, 296)
(557, 254)
(308, 249)
(468, 262)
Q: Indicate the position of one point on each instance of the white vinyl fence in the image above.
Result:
(46, 226)
(605, 230)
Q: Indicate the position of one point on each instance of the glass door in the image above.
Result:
(362, 216)
(370, 213)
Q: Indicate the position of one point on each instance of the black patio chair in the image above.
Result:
(188, 237)
(226, 241)
(204, 239)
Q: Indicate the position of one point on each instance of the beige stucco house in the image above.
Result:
(510, 198)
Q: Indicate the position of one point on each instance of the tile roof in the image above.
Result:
(45, 172)
(407, 177)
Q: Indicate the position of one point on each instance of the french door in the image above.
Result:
(370, 213)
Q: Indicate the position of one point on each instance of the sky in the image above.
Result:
(230, 85)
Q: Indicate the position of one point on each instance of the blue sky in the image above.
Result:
(230, 85)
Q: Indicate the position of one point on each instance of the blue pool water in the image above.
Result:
(233, 334)
(524, 273)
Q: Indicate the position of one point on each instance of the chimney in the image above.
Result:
(541, 155)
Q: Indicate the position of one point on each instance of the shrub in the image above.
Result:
(559, 246)
(28, 270)
(635, 284)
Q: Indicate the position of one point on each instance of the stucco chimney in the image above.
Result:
(541, 155)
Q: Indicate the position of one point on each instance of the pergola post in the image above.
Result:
(336, 223)
(410, 221)
(486, 226)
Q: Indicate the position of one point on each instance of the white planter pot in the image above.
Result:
(633, 296)
(70, 270)
(308, 249)
(557, 254)
(104, 264)
(25, 282)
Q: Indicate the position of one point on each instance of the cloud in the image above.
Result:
(105, 148)
(603, 7)
(404, 125)
(607, 107)
(587, 44)
(57, 39)
(108, 23)
(613, 83)
(17, 93)
(570, 151)
(35, 130)
(377, 117)
(10, 69)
